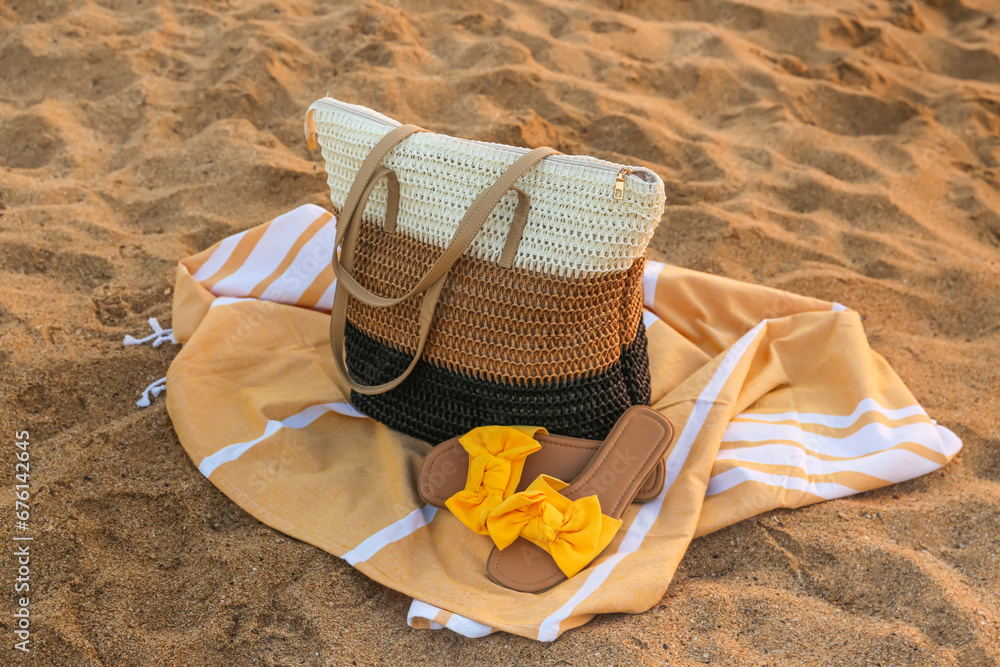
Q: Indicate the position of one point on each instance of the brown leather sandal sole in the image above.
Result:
(446, 468)
(634, 448)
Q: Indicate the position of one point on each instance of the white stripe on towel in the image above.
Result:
(460, 624)
(227, 300)
(549, 628)
(300, 420)
(219, 257)
(420, 609)
(891, 465)
(649, 318)
(312, 259)
(467, 627)
(735, 476)
(326, 301)
(276, 241)
(394, 532)
(834, 421)
(868, 439)
(649, 277)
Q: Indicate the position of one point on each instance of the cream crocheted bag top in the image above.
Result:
(588, 216)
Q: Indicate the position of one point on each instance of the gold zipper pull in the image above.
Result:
(310, 127)
(620, 182)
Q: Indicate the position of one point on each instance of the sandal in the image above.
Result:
(445, 471)
(552, 530)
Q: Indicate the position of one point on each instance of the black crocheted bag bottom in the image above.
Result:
(435, 403)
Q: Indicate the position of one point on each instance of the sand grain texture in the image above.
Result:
(846, 150)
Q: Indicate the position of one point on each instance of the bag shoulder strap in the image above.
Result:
(473, 220)
(431, 283)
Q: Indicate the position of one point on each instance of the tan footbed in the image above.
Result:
(635, 446)
(446, 468)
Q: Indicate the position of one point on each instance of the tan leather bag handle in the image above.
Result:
(430, 284)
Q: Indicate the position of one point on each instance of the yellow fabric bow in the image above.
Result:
(496, 460)
(573, 532)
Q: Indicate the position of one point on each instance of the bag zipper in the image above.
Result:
(586, 162)
(620, 183)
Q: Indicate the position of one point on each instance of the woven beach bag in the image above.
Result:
(479, 283)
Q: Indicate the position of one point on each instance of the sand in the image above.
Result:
(841, 149)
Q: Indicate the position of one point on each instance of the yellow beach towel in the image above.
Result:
(777, 401)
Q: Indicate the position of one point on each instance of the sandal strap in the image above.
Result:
(496, 461)
(573, 532)
(639, 439)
